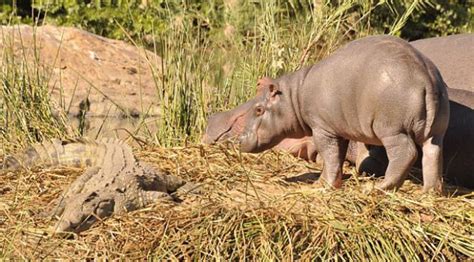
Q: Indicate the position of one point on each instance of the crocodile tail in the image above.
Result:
(69, 153)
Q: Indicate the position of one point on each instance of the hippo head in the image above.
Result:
(227, 125)
(230, 125)
(270, 119)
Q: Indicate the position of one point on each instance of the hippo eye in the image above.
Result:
(259, 110)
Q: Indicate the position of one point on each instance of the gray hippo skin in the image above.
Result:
(356, 94)
(458, 145)
(460, 138)
(454, 57)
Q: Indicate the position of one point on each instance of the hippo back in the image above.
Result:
(454, 57)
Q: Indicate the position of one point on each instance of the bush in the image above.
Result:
(142, 17)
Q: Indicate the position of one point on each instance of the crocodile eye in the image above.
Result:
(259, 110)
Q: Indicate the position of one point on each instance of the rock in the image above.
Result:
(115, 76)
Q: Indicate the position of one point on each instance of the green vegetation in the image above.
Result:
(26, 113)
(142, 17)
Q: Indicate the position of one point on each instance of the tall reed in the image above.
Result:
(27, 114)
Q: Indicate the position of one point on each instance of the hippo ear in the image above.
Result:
(262, 84)
(260, 89)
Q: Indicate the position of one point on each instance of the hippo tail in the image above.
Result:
(437, 108)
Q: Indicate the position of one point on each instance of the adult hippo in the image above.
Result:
(454, 57)
(356, 94)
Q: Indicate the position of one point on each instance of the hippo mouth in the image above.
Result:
(221, 136)
(251, 143)
(206, 139)
(226, 135)
(228, 130)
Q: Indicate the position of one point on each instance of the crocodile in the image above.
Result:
(114, 181)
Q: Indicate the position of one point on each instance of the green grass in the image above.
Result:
(27, 114)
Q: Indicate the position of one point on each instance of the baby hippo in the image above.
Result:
(377, 90)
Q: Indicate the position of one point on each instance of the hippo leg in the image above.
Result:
(432, 164)
(362, 153)
(333, 151)
(402, 153)
(372, 161)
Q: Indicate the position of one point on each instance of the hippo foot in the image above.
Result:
(435, 191)
(323, 183)
(384, 186)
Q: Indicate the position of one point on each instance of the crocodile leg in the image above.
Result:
(82, 211)
(75, 188)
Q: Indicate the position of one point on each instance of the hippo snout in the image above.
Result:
(248, 143)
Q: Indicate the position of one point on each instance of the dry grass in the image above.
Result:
(251, 208)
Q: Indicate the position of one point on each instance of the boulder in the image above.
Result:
(111, 79)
